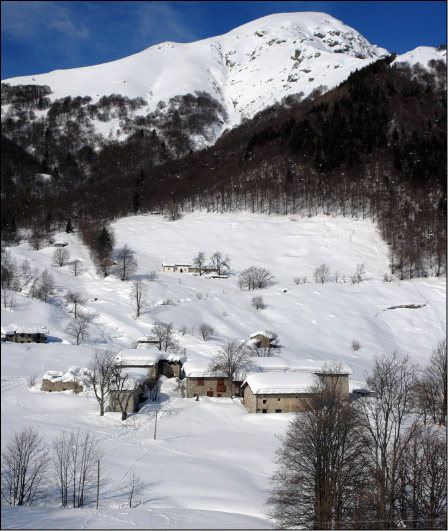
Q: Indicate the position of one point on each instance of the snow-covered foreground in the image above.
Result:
(210, 464)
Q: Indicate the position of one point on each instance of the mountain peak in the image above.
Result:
(245, 70)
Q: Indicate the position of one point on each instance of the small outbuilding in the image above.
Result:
(128, 397)
(264, 339)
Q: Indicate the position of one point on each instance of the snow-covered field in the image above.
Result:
(210, 464)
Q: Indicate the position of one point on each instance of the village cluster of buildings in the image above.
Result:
(270, 385)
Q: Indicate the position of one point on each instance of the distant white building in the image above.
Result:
(171, 267)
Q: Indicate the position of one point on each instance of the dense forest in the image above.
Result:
(373, 148)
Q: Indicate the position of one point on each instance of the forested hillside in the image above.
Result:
(374, 147)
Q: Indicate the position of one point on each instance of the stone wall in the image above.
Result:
(211, 386)
(340, 381)
(58, 386)
(132, 398)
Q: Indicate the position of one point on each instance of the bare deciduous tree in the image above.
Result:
(60, 257)
(257, 303)
(84, 454)
(431, 393)
(321, 274)
(101, 371)
(219, 262)
(164, 333)
(79, 328)
(8, 298)
(199, 262)
(75, 267)
(126, 263)
(320, 465)
(122, 386)
(133, 487)
(254, 278)
(422, 498)
(139, 293)
(24, 467)
(357, 277)
(206, 330)
(74, 299)
(232, 360)
(386, 430)
(62, 450)
(46, 285)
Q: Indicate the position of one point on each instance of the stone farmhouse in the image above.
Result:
(32, 333)
(279, 386)
(201, 381)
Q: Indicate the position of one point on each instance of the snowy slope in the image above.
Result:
(422, 55)
(246, 70)
(210, 464)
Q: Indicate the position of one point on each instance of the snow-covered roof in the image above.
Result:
(265, 333)
(281, 382)
(73, 374)
(199, 368)
(275, 363)
(173, 356)
(135, 377)
(137, 357)
(32, 328)
(272, 363)
(176, 264)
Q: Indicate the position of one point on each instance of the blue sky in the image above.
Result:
(40, 36)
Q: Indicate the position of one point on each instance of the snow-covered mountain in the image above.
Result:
(242, 72)
(245, 70)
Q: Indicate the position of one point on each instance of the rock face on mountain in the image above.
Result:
(236, 75)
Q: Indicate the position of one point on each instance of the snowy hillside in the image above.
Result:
(245, 70)
(421, 56)
(210, 464)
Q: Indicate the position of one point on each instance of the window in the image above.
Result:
(264, 410)
(200, 381)
(220, 381)
(221, 388)
(278, 410)
(219, 395)
(264, 401)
